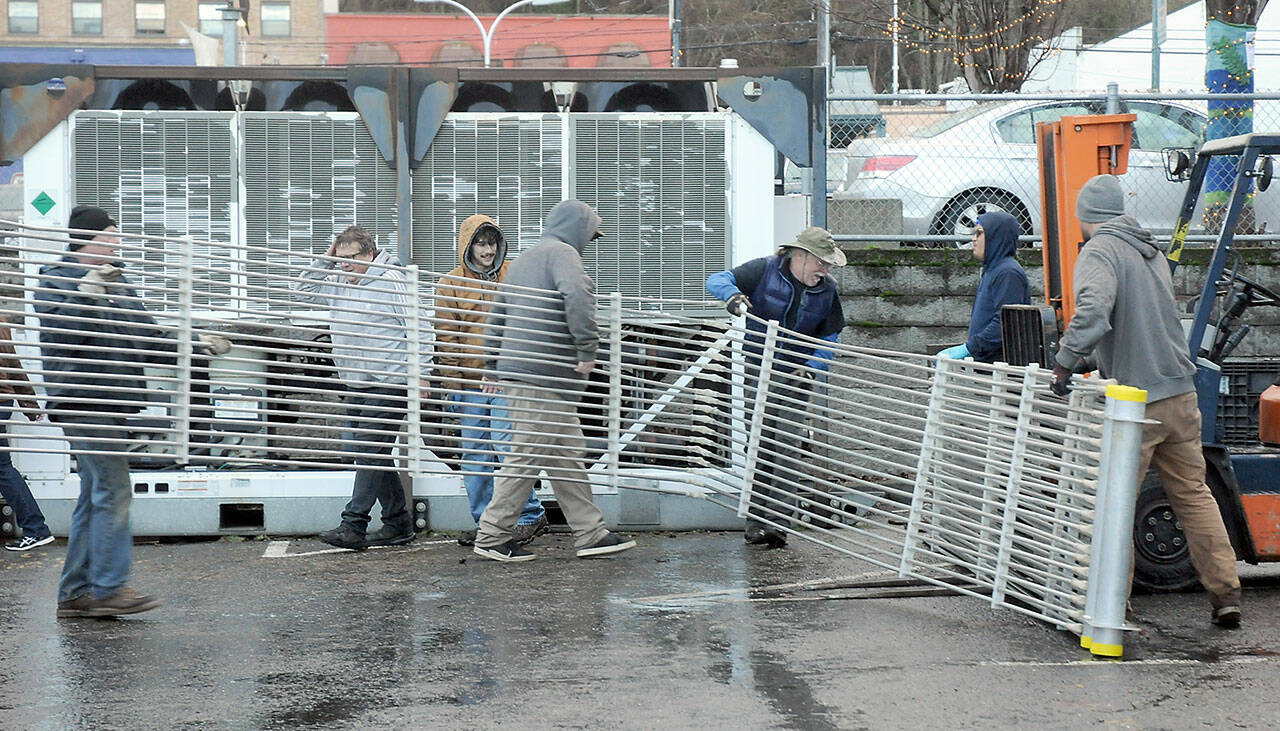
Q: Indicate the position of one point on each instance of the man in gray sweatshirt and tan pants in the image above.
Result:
(545, 343)
(1125, 309)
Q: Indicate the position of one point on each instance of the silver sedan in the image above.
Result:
(984, 158)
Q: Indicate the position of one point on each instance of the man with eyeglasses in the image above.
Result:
(368, 302)
(794, 287)
(1004, 282)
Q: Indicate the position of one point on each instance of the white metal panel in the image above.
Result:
(506, 166)
(660, 182)
(307, 177)
(160, 174)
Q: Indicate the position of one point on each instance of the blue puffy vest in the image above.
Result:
(772, 299)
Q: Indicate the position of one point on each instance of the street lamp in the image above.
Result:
(487, 35)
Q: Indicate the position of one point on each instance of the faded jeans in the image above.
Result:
(372, 444)
(14, 490)
(485, 434)
(100, 543)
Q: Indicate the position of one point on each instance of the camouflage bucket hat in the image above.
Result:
(820, 243)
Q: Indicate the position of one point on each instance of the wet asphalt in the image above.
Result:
(689, 630)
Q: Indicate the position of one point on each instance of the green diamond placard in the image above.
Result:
(43, 203)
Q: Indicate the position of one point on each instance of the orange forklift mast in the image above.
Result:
(1071, 151)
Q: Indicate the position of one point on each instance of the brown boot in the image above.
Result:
(124, 601)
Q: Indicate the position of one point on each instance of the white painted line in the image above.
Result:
(1104, 662)
(276, 549)
(280, 549)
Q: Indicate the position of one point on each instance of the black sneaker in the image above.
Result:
(26, 543)
(775, 538)
(467, 537)
(508, 551)
(344, 536)
(124, 601)
(76, 607)
(388, 536)
(754, 534)
(611, 543)
(1227, 617)
(523, 534)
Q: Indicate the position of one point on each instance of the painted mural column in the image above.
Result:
(1229, 62)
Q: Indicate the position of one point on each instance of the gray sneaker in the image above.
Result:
(611, 543)
(523, 534)
(507, 552)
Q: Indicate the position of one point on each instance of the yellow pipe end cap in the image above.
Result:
(1126, 393)
(1097, 648)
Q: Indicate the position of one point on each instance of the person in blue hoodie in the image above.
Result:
(1003, 283)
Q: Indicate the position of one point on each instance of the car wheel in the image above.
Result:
(960, 216)
(1161, 559)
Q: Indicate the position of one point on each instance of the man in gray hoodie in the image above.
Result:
(368, 302)
(547, 343)
(1125, 309)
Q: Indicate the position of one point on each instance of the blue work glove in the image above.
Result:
(959, 352)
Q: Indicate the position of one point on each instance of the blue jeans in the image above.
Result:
(14, 490)
(100, 544)
(376, 485)
(483, 417)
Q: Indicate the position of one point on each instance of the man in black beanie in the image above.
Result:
(95, 339)
(1125, 310)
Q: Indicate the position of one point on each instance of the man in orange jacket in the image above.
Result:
(463, 298)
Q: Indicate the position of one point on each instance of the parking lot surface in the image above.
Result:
(688, 630)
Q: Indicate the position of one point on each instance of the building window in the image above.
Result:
(23, 16)
(211, 18)
(86, 17)
(148, 17)
(275, 20)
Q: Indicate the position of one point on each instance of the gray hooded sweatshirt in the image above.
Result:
(540, 338)
(366, 315)
(1126, 310)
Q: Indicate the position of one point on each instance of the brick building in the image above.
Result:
(155, 32)
(521, 40)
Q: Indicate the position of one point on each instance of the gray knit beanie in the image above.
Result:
(1101, 199)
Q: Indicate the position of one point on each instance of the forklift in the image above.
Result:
(1244, 480)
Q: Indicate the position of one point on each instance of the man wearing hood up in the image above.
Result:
(1126, 312)
(1003, 283)
(546, 348)
(368, 301)
(462, 302)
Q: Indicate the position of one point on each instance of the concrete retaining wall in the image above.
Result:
(919, 300)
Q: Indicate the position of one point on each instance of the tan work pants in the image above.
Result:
(546, 436)
(1172, 447)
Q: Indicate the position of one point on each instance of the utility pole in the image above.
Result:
(824, 39)
(673, 20)
(894, 28)
(230, 32)
(1159, 21)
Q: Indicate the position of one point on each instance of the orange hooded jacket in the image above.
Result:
(463, 297)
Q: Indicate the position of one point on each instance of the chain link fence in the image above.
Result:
(920, 169)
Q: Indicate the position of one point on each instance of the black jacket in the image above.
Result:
(92, 346)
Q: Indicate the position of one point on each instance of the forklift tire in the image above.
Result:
(1161, 560)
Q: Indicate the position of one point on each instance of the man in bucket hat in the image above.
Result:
(794, 287)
